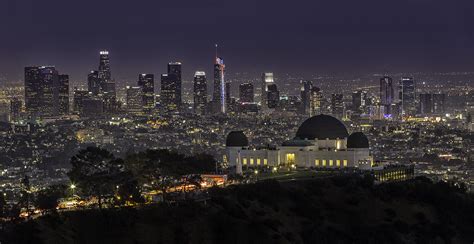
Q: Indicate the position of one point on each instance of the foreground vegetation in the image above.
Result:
(339, 209)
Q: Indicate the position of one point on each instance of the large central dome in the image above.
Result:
(322, 127)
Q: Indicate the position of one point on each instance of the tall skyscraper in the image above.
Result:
(316, 99)
(78, 100)
(219, 93)
(246, 93)
(104, 66)
(407, 95)
(359, 99)
(175, 84)
(63, 94)
(93, 83)
(387, 94)
(439, 103)
(306, 87)
(107, 84)
(134, 100)
(147, 83)
(267, 81)
(200, 92)
(169, 92)
(42, 91)
(273, 96)
(337, 105)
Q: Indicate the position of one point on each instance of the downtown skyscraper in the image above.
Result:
(270, 92)
(305, 93)
(407, 96)
(171, 87)
(200, 92)
(246, 93)
(387, 95)
(46, 92)
(147, 84)
(219, 93)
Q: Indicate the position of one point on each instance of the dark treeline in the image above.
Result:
(339, 209)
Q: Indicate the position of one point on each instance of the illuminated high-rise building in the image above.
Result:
(219, 93)
(267, 81)
(200, 92)
(42, 91)
(246, 93)
(63, 94)
(431, 104)
(273, 96)
(134, 100)
(407, 96)
(305, 96)
(93, 82)
(78, 100)
(387, 94)
(315, 101)
(439, 103)
(169, 98)
(107, 84)
(359, 99)
(147, 84)
(337, 105)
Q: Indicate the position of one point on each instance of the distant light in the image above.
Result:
(73, 186)
(104, 52)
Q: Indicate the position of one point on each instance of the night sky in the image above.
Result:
(298, 37)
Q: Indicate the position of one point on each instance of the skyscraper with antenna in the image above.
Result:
(219, 93)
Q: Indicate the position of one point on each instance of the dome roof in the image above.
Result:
(357, 140)
(236, 139)
(322, 127)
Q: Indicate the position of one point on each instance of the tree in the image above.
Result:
(48, 199)
(129, 191)
(96, 172)
(25, 195)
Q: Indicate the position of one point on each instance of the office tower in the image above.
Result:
(359, 99)
(305, 96)
(407, 96)
(273, 96)
(246, 93)
(63, 94)
(42, 91)
(267, 80)
(4, 112)
(78, 98)
(93, 82)
(387, 94)
(104, 72)
(169, 98)
(174, 70)
(107, 84)
(229, 101)
(315, 101)
(134, 100)
(425, 104)
(219, 92)
(337, 105)
(147, 83)
(15, 108)
(92, 107)
(290, 103)
(200, 92)
(439, 103)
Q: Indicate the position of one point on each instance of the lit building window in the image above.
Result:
(324, 162)
(290, 158)
(251, 161)
(338, 163)
(265, 161)
(344, 162)
(316, 162)
(258, 161)
(244, 161)
(331, 162)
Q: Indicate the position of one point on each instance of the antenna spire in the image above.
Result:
(216, 53)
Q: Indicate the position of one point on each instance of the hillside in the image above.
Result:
(340, 209)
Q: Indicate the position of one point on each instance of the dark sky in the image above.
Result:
(291, 36)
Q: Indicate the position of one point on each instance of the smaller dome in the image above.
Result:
(357, 140)
(236, 139)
